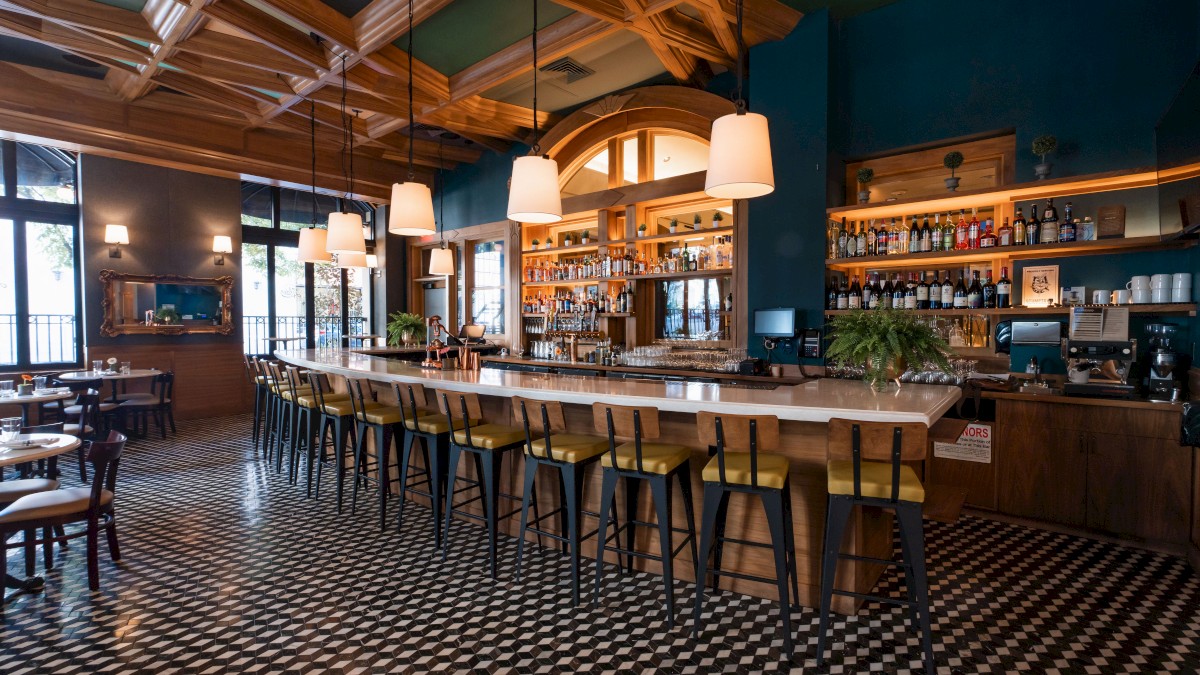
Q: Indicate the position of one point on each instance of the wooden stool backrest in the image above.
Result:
(463, 404)
(411, 398)
(321, 386)
(749, 433)
(631, 422)
(104, 457)
(548, 416)
(891, 442)
(360, 392)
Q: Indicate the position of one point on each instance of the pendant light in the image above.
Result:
(533, 194)
(352, 260)
(441, 260)
(411, 210)
(346, 229)
(313, 239)
(739, 151)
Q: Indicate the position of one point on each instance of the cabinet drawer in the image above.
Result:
(1075, 417)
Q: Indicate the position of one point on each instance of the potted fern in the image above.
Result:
(403, 328)
(587, 236)
(717, 218)
(641, 231)
(1042, 146)
(696, 222)
(865, 176)
(535, 244)
(952, 161)
(884, 342)
(674, 225)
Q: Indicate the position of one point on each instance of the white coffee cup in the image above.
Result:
(1100, 297)
(1181, 295)
(1181, 280)
(1160, 295)
(1138, 282)
(1160, 280)
(1141, 296)
(1120, 297)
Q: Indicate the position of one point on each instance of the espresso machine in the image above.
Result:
(1163, 364)
(1099, 368)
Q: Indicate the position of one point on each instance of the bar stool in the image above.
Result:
(337, 418)
(655, 463)
(430, 428)
(568, 454)
(874, 476)
(278, 416)
(487, 444)
(310, 414)
(385, 422)
(744, 469)
(260, 394)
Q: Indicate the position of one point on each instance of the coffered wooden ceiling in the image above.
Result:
(227, 86)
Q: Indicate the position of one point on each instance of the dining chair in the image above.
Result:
(159, 404)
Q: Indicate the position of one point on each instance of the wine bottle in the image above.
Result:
(948, 233)
(926, 235)
(876, 290)
(1018, 235)
(910, 292)
(1033, 227)
(935, 291)
(872, 234)
(851, 242)
(1049, 224)
(974, 293)
(885, 294)
(1004, 236)
(960, 294)
(960, 231)
(973, 232)
(947, 293)
(861, 248)
(898, 290)
(914, 237)
(893, 238)
(989, 292)
(1003, 290)
(854, 299)
(865, 302)
(922, 292)
(1066, 231)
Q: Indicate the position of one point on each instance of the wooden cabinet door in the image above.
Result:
(1139, 487)
(1042, 473)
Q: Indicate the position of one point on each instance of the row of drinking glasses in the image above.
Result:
(99, 367)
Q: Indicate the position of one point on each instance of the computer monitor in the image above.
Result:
(779, 322)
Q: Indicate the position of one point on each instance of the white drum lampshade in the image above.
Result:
(441, 262)
(345, 234)
(116, 234)
(352, 260)
(739, 158)
(312, 246)
(533, 194)
(411, 210)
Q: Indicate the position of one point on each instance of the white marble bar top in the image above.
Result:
(815, 401)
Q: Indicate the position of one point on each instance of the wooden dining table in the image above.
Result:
(55, 445)
(113, 377)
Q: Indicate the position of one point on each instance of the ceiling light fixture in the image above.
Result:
(739, 150)
(441, 260)
(533, 193)
(411, 210)
(345, 228)
(313, 239)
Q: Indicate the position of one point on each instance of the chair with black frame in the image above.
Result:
(635, 461)
(259, 382)
(569, 455)
(430, 428)
(301, 398)
(487, 444)
(742, 462)
(278, 422)
(336, 417)
(385, 424)
(84, 424)
(159, 405)
(47, 511)
(874, 475)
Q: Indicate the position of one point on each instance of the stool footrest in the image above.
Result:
(743, 575)
(881, 561)
(876, 598)
(745, 542)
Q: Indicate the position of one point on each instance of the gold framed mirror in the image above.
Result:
(165, 304)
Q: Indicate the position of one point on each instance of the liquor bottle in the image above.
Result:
(948, 233)
(910, 292)
(960, 231)
(1003, 290)
(865, 302)
(1018, 235)
(1049, 224)
(973, 232)
(898, 290)
(926, 235)
(852, 242)
(989, 292)
(987, 237)
(885, 294)
(935, 291)
(893, 238)
(872, 233)
(1033, 227)
(960, 293)
(854, 300)
(1066, 231)
(947, 293)
(922, 292)
(914, 237)
(873, 303)
(861, 248)
(1004, 236)
(936, 244)
(729, 302)
(974, 293)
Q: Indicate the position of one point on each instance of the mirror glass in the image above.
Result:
(165, 304)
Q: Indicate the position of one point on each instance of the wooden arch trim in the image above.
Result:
(684, 109)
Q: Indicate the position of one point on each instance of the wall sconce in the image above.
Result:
(221, 245)
(372, 264)
(117, 236)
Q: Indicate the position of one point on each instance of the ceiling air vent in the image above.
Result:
(573, 69)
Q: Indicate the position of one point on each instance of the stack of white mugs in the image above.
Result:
(1157, 289)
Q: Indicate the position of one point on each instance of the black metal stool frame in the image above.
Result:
(435, 454)
(383, 444)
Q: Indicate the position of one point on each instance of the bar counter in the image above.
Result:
(804, 411)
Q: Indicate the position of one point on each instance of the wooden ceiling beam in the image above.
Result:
(29, 27)
(686, 34)
(92, 16)
(243, 51)
(394, 61)
(718, 25)
(612, 11)
(360, 100)
(318, 17)
(171, 21)
(209, 91)
(230, 73)
(269, 31)
(382, 22)
(388, 87)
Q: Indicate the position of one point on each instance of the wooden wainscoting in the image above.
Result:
(210, 379)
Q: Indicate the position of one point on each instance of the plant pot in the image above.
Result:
(584, 241)
(864, 196)
(672, 229)
(408, 338)
(716, 224)
(641, 233)
(952, 183)
(24, 389)
(1042, 171)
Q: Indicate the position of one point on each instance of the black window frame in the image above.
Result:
(22, 211)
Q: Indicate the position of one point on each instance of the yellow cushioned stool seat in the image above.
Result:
(384, 414)
(437, 424)
(491, 436)
(660, 458)
(422, 413)
(876, 480)
(772, 470)
(51, 504)
(570, 448)
(291, 394)
(310, 400)
(262, 379)
(344, 408)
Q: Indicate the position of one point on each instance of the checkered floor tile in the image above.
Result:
(229, 569)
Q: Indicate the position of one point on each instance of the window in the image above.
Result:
(676, 155)
(666, 154)
(690, 309)
(487, 293)
(40, 299)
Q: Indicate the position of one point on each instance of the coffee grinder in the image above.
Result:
(1164, 364)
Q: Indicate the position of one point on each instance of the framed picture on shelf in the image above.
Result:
(1039, 286)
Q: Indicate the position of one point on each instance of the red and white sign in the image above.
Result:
(973, 445)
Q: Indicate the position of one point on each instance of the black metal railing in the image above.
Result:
(699, 322)
(328, 331)
(52, 338)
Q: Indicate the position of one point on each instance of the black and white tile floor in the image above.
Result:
(228, 569)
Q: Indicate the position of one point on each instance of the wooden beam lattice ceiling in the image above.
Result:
(253, 65)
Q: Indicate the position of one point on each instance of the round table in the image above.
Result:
(30, 399)
(63, 443)
(110, 376)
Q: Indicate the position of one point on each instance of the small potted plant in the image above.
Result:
(641, 231)
(673, 226)
(167, 316)
(1042, 146)
(112, 364)
(885, 343)
(717, 218)
(536, 243)
(952, 161)
(865, 176)
(403, 328)
(549, 242)
(587, 236)
(696, 222)
(566, 240)
(25, 388)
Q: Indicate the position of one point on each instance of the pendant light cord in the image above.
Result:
(411, 122)
(312, 147)
(345, 128)
(537, 148)
(441, 186)
(740, 102)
